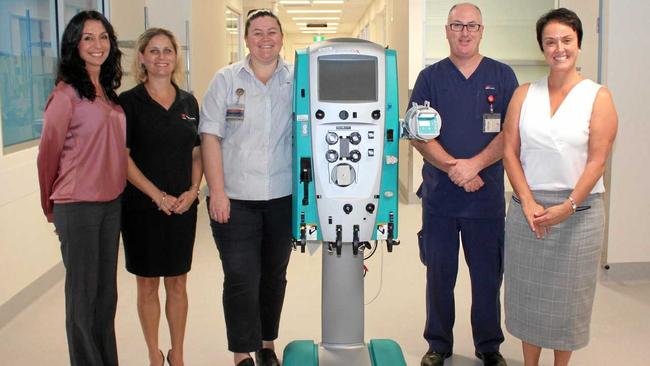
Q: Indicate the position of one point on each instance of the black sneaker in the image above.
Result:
(434, 358)
(491, 358)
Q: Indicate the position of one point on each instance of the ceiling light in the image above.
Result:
(318, 32)
(316, 18)
(319, 2)
(317, 28)
(328, 24)
(330, 11)
(295, 2)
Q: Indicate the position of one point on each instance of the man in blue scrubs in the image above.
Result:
(462, 191)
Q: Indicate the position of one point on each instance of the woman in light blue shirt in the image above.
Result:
(246, 147)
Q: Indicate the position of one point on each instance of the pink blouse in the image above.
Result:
(82, 155)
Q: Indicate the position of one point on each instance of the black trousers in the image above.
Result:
(254, 247)
(89, 233)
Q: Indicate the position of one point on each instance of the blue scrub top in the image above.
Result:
(461, 103)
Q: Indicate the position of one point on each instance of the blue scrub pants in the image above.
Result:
(483, 247)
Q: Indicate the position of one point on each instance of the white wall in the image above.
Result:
(208, 39)
(28, 245)
(625, 72)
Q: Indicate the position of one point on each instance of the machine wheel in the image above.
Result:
(301, 353)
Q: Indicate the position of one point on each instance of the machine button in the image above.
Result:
(370, 208)
(355, 156)
(320, 114)
(371, 152)
(331, 138)
(347, 208)
(332, 156)
(355, 138)
(344, 115)
(376, 114)
(371, 134)
(354, 114)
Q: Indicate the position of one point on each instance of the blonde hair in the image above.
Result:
(139, 71)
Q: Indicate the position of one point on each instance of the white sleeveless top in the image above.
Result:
(554, 149)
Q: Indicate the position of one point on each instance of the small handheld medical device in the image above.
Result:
(421, 122)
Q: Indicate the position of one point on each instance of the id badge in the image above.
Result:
(492, 123)
(235, 113)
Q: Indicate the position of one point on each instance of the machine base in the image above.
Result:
(379, 352)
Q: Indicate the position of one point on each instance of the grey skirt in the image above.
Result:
(550, 282)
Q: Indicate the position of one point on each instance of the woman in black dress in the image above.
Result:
(164, 173)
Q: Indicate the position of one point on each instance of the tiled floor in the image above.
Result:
(620, 325)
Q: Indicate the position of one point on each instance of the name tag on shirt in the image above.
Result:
(235, 113)
(491, 122)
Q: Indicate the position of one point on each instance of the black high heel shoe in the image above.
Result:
(266, 357)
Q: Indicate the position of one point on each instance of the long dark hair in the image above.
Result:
(72, 69)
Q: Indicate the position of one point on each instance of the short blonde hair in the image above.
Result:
(139, 72)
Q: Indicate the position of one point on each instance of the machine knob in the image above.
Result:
(320, 114)
(331, 138)
(331, 156)
(355, 156)
(344, 115)
(370, 208)
(347, 208)
(375, 114)
(355, 138)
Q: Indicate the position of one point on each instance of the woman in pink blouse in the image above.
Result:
(82, 164)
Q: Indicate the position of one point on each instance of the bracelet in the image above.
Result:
(574, 207)
(164, 195)
(196, 188)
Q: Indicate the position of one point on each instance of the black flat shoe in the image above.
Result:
(246, 362)
(266, 357)
(491, 358)
(434, 358)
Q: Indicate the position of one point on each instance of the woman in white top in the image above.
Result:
(559, 132)
(246, 146)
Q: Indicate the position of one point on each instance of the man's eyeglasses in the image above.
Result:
(471, 27)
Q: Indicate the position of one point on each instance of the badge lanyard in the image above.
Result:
(491, 121)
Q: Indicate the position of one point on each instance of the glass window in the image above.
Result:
(509, 34)
(233, 36)
(28, 60)
(72, 7)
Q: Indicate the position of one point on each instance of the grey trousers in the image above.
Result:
(89, 233)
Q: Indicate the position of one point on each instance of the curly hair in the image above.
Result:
(72, 68)
(139, 72)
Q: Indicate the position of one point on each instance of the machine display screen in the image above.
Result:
(347, 79)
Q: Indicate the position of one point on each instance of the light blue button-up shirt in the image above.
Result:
(256, 150)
